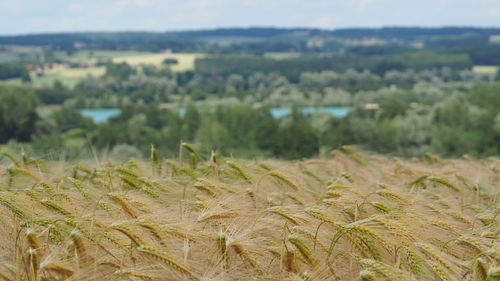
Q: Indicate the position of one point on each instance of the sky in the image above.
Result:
(39, 16)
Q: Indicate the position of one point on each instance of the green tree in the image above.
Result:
(18, 114)
(267, 136)
(121, 71)
(170, 61)
(191, 123)
(392, 106)
(213, 135)
(25, 77)
(298, 138)
(68, 119)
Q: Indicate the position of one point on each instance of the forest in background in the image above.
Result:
(411, 91)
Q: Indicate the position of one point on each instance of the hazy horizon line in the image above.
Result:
(245, 27)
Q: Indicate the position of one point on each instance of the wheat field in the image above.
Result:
(186, 61)
(353, 216)
(485, 69)
(69, 77)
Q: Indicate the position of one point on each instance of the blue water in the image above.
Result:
(182, 111)
(100, 115)
(103, 114)
(278, 112)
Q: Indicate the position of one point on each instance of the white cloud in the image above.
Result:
(76, 7)
(365, 3)
(266, 3)
(140, 3)
(205, 4)
(195, 16)
(15, 4)
(248, 3)
(324, 22)
(495, 12)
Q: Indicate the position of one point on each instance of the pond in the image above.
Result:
(100, 115)
(278, 112)
(103, 114)
(337, 111)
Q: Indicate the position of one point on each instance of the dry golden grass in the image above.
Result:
(485, 69)
(346, 218)
(186, 61)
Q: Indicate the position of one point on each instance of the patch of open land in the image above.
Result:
(185, 61)
(485, 69)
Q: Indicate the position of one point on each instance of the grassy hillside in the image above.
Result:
(346, 218)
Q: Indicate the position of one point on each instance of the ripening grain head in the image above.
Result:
(348, 218)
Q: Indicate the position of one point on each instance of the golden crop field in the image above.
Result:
(350, 217)
(78, 72)
(186, 61)
(69, 76)
(485, 69)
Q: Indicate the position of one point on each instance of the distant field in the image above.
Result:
(69, 77)
(92, 57)
(12, 54)
(186, 61)
(485, 69)
(72, 76)
(78, 72)
(11, 82)
(7, 57)
(230, 40)
(281, 56)
(47, 110)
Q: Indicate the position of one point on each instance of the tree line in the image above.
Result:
(448, 124)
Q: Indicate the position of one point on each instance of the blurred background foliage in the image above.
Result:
(407, 92)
